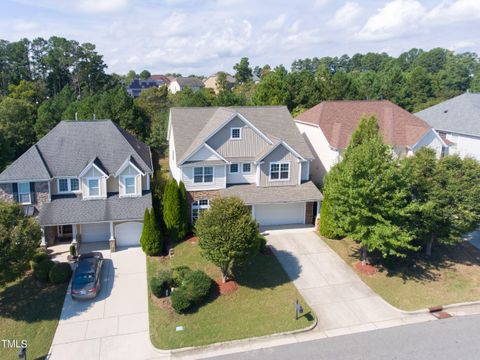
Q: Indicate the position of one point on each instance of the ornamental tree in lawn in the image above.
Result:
(227, 234)
(19, 237)
(367, 195)
(445, 197)
(172, 210)
(151, 239)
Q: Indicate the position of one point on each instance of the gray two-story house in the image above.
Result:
(85, 181)
(254, 153)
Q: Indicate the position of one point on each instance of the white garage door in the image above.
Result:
(128, 234)
(281, 214)
(95, 232)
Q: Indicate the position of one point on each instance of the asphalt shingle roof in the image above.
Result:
(69, 147)
(252, 194)
(460, 114)
(70, 209)
(339, 119)
(192, 126)
(189, 81)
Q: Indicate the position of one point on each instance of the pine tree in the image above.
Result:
(184, 223)
(172, 210)
(155, 236)
(145, 230)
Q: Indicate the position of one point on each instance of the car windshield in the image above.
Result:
(84, 278)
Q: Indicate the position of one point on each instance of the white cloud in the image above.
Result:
(318, 4)
(277, 23)
(454, 11)
(100, 6)
(24, 25)
(464, 44)
(396, 18)
(346, 15)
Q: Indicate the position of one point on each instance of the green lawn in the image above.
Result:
(452, 275)
(30, 310)
(262, 305)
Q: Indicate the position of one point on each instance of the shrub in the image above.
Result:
(38, 257)
(60, 273)
(262, 244)
(180, 301)
(159, 285)
(197, 285)
(151, 239)
(178, 275)
(73, 250)
(42, 270)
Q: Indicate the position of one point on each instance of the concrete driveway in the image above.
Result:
(342, 301)
(115, 324)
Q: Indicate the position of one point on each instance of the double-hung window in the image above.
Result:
(234, 169)
(66, 185)
(130, 185)
(198, 207)
(203, 174)
(24, 196)
(246, 168)
(93, 185)
(279, 171)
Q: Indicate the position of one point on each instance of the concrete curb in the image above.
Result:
(217, 345)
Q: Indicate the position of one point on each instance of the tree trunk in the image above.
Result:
(428, 248)
(364, 255)
(224, 270)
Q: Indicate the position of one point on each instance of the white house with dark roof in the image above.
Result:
(180, 83)
(458, 121)
(85, 181)
(254, 153)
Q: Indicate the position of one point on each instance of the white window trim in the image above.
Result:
(203, 175)
(234, 172)
(23, 193)
(240, 133)
(199, 207)
(69, 185)
(279, 170)
(247, 172)
(99, 188)
(124, 192)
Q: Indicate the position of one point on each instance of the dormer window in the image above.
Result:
(235, 133)
(130, 184)
(93, 186)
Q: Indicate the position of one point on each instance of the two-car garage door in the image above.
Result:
(126, 234)
(280, 214)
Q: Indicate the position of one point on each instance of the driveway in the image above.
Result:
(342, 301)
(115, 324)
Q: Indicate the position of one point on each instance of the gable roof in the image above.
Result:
(29, 166)
(339, 119)
(228, 78)
(189, 81)
(460, 114)
(71, 145)
(196, 125)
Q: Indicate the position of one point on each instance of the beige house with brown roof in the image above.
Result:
(329, 125)
(211, 82)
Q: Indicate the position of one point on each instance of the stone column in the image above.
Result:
(112, 238)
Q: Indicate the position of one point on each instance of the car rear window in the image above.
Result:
(84, 278)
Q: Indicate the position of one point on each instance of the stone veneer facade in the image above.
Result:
(6, 192)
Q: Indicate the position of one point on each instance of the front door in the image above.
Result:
(64, 233)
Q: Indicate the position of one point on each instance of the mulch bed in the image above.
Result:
(226, 288)
(163, 303)
(366, 269)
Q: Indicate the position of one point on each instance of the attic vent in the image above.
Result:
(445, 111)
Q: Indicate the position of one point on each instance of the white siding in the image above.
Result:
(431, 140)
(203, 154)
(172, 159)
(325, 156)
(465, 145)
(173, 87)
(219, 179)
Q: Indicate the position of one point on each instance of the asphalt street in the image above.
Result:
(456, 338)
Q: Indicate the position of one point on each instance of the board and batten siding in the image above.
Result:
(219, 179)
(93, 172)
(280, 154)
(250, 145)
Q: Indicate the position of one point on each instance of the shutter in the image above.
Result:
(32, 192)
(15, 191)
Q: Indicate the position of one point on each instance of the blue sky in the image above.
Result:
(204, 36)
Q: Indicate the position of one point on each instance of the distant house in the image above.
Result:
(137, 86)
(180, 83)
(161, 78)
(211, 82)
(329, 125)
(458, 121)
